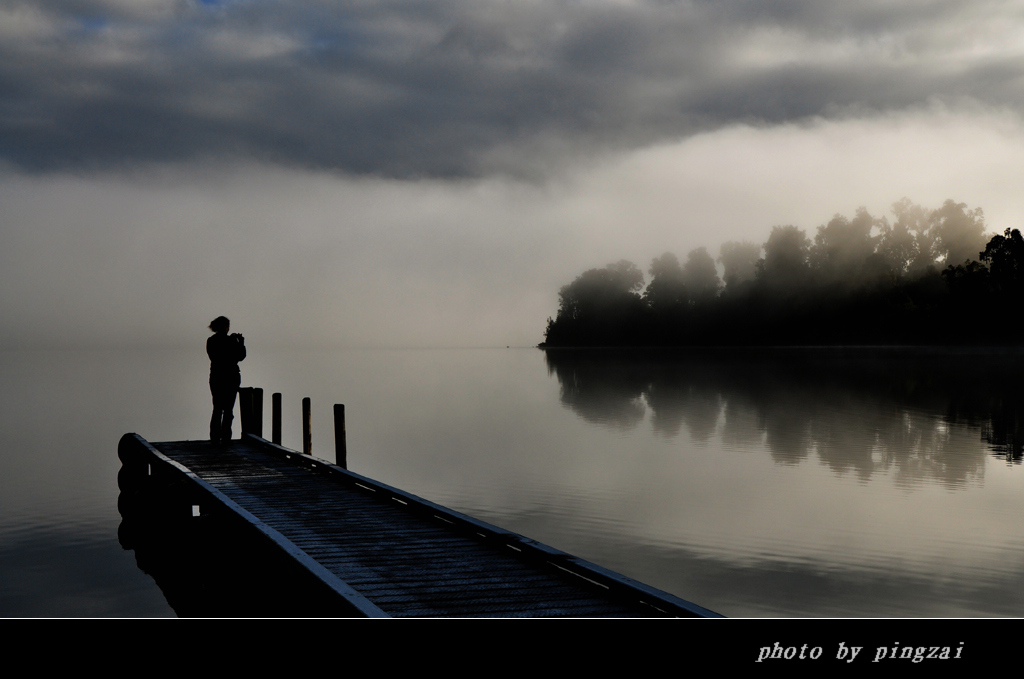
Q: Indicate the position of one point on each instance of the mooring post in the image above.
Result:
(257, 411)
(307, 434)
(245, 408)
(340, 449)
(275, 417)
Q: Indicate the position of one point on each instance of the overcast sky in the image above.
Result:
(430, 173)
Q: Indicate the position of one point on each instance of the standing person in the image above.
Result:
(225, 351)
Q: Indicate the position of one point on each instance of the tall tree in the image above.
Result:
(666, 291)
(1004, 256)
(739, 260)
(959, 232)
(600, 290)
(700, 275)
(600, 307)
(896, 245)
(785, 257)
(920, 254)
(842, 247)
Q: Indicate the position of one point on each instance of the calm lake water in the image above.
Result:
(795, 483)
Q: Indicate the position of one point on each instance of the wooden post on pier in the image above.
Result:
(257, 411)
(275, 417)
(245, 408)
(307, 435)
(340, 447)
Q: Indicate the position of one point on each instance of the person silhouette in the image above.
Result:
(225, 351)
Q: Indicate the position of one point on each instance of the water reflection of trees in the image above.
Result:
(923, 415)
(609, 395)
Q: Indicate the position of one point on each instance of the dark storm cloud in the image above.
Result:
(465, 88)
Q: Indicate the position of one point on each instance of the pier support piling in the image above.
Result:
(307, 435)
(257, 411)
(340, 447)
(275, 417)
(245, 408)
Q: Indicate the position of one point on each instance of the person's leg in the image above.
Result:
(215, 420)
(228, 405)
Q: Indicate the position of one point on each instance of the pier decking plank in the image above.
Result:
(404, 555)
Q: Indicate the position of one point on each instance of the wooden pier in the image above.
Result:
(368, 549)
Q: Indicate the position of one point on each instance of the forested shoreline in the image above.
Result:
(927, 277)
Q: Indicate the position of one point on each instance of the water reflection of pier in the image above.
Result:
(917, 412)
(287, 534)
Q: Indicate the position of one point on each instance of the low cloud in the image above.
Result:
(467, 89)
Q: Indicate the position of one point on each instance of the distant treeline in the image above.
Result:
(927, 277)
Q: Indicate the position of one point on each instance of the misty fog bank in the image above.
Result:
(151, 254)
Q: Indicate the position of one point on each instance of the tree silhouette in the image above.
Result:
(700, 275)
(843, 247)
(853, 285)
(602, 306)
(599, 290)
(666, 291)
(959, 232)
(739, 261)
(920, 255)
(1005, 258)
(785, 257)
